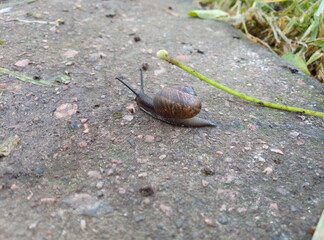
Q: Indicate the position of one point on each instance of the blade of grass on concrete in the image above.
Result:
(25, 78)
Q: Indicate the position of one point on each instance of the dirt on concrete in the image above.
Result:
(87, 168)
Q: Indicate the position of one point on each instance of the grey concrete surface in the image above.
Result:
(257, 175)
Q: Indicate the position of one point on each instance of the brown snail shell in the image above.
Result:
(178, 102)
(177, 106)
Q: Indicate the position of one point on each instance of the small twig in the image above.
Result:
(162, 54)
(56, 22)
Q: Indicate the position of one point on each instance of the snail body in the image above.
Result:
(177, 105)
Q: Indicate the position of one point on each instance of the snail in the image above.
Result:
(177, 105)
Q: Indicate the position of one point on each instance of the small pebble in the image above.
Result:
(139, 218)
(160, 226)
(69, 63)
(83, 224)
(282, 191)
(167, 210)
(228, 159)
(223, 220)
(261, 159)
(84, 120)
(33, 225)
(146, 201)
(278, 151)
(268, 170)
(204, 183)
(82, 144)
(110, 172)
(293, 208)
(48, 200)
(128, 118)
(14, 187)
(99, 185)
(294, 134)
(142, 175)
(122, 190)
(100, 194)
(74, 125)
(149, 139)
(162, 157)
(94, 174)
(274, 206)
(209, 222)
(132, 143)
(178, 223)
(39, 172)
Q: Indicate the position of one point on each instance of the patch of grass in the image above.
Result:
(292, 29)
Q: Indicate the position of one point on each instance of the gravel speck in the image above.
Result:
(223, 220)
(132, 143)
(100, 194)
(99, 185)
(163, 156)
(293, 208)
(139, 218)
(146, 191)
(207, 171)
(39, 172)
(179, 223)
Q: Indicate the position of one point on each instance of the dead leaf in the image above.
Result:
(8, 145)
(252, 127)
(14, 187)
(86, 128)
(274, 206)
(22, 63)
(131, 108)
(166, 210)
(149, 139)
(48, 200)
(70, 53)
(276, 151)
(268, 170)
(66, 110)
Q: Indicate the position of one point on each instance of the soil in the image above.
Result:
(97, 171)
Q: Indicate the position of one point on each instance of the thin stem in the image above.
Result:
(162, 54)
(25, 78)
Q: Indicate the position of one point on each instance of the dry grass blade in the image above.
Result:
(286, 27)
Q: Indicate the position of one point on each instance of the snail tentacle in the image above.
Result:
(129, 87)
